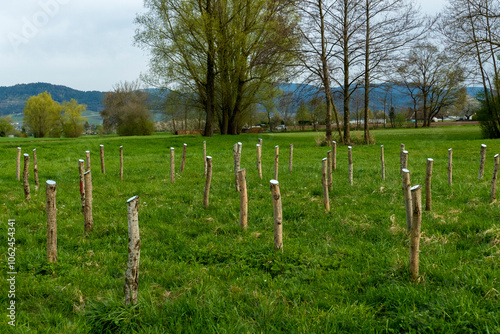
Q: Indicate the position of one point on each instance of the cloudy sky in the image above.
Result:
(86, 45)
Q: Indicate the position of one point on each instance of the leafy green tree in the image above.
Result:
(73, 124)
(6, 126)
(42, 115)
(302, 115)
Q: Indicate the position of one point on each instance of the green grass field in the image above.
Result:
(345, 271)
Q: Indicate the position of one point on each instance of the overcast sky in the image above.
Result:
(85, 45)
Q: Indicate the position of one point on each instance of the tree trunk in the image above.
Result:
(367, 75)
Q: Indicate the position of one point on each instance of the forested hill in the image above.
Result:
(12, 98)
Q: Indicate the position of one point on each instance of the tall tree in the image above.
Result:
(42, 115)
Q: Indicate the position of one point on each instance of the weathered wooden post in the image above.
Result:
(382, 161)
(172, 165)
(259, 141)
(18, 164)
(237, 157)
(259, 160)
(407, 195)
(243, 199)
(450, 166)
(121, 162)
(183, 162)
(276, 156)
(401, 159)
(428, 179)
(103, 167)
(494, 180)
(81, 170)
(207, 181)
(278, 215)
(26, 174)
(51, 209)
(324, 181)
(205, 156)
(334, 155)
(131, 287)
(404, 161)
(88, 219)
(35, 170)
(290, 160)
(349, 153)
(87, 156)
(415, 230)
(329, 175)
(482, 161)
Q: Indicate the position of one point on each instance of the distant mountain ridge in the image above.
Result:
(13, 98)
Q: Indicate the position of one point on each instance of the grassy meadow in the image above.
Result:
(343, 271)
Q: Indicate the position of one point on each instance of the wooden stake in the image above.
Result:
(324, 179)
(18, 164)
(290, 161)
(88, 219)
(407, 196)
(81, 170)
(243, 199)
(334, 155)
(183, 162)
(450, 166)
(205, 156)
(482, 161)
(428, 177)
(51, 187)
(87, 156)
(172, 165)
(404, 161)
(415, 230)
(26, 174)
(401, 159)
(494, 180)
(329, 175)
(121, 162)
(207, 182)
(103, 167)
(260, 141)
(349, 153)
(382, 161)
(35, 170)
(259, 160)
(276, 156)
(131, 287)
(278, 215)
(236, 158)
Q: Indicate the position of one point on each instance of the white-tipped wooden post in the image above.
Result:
(290, 161)
(259, 160)
(494, 180)
(208, 180)
(172, 165)
(243, 199)
(259, 141)
(482, 161)
(205, 157)
(131, 287)
(26, 173)
(415, 230)
(51, 209)
(407, 196)
(88, 219)
(278, 215)
(401, 159)
(81, 170)
(183, 162)
(276, 158)
(324, 181)
(450, 166)
(329, 172)
(334, 155)
(349, 153)
(18, 164)
(103, 166)
(35, 170)
(237, 159)
(87, 159)
(121, 162)
(382, 161)
(404, 162)
(428, 180)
